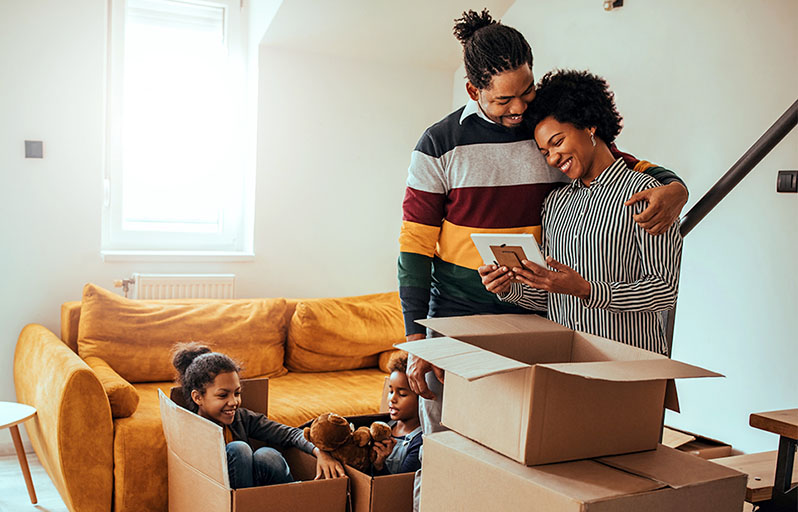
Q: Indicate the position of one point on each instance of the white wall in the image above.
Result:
(335, 138)
(698, 83)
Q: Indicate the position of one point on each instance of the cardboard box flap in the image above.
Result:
(672, 467)
(461, 358)
(490, 324)
(632, 371)
(675, 438)
(195, 440)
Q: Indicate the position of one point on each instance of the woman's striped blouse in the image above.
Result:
(633, 275)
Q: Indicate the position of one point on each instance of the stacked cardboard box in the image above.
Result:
(539, 393)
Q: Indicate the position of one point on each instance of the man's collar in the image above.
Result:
(472, 107)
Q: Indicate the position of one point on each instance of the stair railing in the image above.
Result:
(728, 181)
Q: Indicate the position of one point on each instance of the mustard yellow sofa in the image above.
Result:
(98, 429)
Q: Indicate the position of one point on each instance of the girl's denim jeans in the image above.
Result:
(266, 466)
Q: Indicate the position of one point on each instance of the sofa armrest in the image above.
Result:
(72, 432)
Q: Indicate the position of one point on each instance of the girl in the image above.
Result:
(211, 381)
(400, 454)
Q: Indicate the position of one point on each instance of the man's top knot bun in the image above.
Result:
(465, 27)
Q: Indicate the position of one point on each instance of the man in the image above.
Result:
(479, 170)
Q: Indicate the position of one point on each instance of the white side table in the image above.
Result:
(11, 415)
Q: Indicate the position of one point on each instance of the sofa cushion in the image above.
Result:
(135, 337)
(343, 333)
(121, 394)
(298, 397)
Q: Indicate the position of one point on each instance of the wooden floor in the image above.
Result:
(13, 493)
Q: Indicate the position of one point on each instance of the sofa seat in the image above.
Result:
(140, 448)
(347, 393)
(140, 470)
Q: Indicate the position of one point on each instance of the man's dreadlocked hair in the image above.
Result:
(489, 48)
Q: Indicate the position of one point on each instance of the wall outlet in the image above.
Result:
(34, 149)
(787, 181)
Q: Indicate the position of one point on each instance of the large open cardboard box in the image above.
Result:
(462, 475)
(198, 477)
(539, 392)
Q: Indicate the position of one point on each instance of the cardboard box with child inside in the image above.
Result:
(197, 463)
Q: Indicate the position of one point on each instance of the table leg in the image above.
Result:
(23, 462)
(783, 497)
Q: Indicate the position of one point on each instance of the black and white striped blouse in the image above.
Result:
(633, 275)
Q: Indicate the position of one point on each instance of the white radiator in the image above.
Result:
(181, 286)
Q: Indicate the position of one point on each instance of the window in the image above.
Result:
(175, 179)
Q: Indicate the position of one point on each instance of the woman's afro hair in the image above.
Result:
(579, 98)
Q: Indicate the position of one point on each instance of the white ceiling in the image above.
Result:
(407, 31)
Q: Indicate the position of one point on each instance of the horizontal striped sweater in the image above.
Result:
(469, 177)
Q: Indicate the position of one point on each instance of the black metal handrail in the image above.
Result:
(728, 181)
(740, 170)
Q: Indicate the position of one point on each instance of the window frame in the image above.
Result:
(235, 241)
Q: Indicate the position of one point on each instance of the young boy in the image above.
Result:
(400, 454)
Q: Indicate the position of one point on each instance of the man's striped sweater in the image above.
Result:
(468, 176)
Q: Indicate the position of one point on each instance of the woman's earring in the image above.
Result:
(592, 139)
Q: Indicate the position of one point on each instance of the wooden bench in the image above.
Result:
(772, 476)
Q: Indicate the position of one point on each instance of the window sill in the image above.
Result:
(175, 256)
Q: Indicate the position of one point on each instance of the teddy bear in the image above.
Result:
(334, 434)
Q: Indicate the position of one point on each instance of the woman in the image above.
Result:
(608, 276)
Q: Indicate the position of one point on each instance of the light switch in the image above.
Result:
(787, 181)
(34, 149)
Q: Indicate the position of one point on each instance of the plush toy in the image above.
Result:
(333, 434)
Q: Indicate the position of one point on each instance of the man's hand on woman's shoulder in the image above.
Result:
(665, 204)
